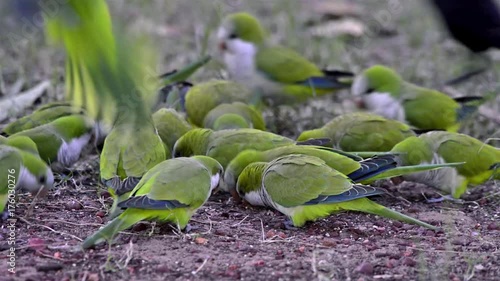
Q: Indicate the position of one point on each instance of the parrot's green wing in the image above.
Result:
(170, 125)
(10, 163)
(169, 176)
(203, 97)
(127, 154)
(308, 177)
(225, 145)
(444, 111)
(232, 116)
(41, 116)
(47, 141)
(285, 65)
(367, 132)
(478, 157)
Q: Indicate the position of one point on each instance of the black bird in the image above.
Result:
(473, 23)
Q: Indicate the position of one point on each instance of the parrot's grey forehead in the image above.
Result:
(222, 33)
(360, 85)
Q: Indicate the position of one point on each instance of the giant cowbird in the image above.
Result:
(473, 23)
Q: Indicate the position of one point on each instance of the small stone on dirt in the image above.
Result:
(73, 205)
(365, 268)
(409, 261)
(200, 240)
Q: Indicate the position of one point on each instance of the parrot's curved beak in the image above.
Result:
(42, 192)
(222, 46)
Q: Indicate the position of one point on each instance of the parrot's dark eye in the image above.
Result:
(177, 153)
(42, 179)
(233, 36)
(369, 91)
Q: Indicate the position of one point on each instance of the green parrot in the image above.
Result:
(278, 74)
(61, 140)
(175, 88)
(128, 154)
(384, 92)
(355, 168)
(234, 115)
(171, 126)
(174, 95)
(10, 162)
(203, 97)
(32, 173)
(481, 161)
(224, 145)
(84, 28)
(306, 189)
(361, 131)
(111, 78)
(172, 191)
(43, 115)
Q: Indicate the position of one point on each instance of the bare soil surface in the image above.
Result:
(233, 241)
(230, 240)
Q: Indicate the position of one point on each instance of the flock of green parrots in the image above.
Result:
(163, 166)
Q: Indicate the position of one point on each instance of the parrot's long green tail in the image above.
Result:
(124, 221)
(367, 206)
(469, 105)
(405, 170)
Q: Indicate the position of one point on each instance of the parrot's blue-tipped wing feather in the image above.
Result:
(333, 79)
(127, 185)
(144, 202)
(373, 166)
(356, 192)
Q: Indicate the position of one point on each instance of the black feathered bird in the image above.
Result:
(473, 23)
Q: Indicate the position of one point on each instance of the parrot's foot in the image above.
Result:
(189, 228)
(288, 224)
(445, 198)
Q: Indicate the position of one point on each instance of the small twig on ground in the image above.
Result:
(240, 222)
(51, 229)
(72, 223)
(200, 267)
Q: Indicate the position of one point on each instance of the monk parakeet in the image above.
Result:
(171, 125)
(235, 115)
(172, 191)
(355, 168)
(384, 92)
(482, 161)
(61, 140)
(174, 95)
(224, 145)
(203, 97)
(175, 87)
(10, 163)
(84, 28)
(110, 77)
(128, 154)
(360, 131)
(34, 175)
(306, 189)
(278, 74)
(43, 115)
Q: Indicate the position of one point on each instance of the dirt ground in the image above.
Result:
(234, 241)
(231, 241)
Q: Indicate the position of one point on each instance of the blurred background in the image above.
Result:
(349, 35)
